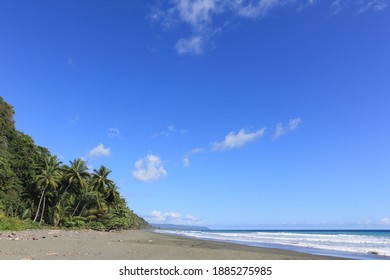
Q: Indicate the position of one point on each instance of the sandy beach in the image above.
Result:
(129, 245)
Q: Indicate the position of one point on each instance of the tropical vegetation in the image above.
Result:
(37, 189)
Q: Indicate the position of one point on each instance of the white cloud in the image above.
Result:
(233, 141)
(113, 132)
(385, 221)
(336, 6)
(75, 120)
(173, 218)
(374, 5)
(255, 9)
(280, 131)
(193, 45)
(197, 13)
(201, 13)
(361, 6)
(293, 124)
(186, 161)
(99, 150)
(149, 169)
(157, 215)
(194, 151)
(170, 130)
(202, 16)
(236, 140)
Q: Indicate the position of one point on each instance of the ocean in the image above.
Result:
(352, 244)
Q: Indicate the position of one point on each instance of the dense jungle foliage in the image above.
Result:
(36, 189)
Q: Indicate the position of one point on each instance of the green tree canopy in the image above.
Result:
(36, 186)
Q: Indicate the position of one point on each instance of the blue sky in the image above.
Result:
(225, 113)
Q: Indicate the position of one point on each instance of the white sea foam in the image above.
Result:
(349, 243)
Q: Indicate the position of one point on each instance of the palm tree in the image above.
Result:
(49, 178)
(60, 213)
(100, 181)
(98, 206)
(112, 195)
(86, 197)
(76, 175)
(53, 162)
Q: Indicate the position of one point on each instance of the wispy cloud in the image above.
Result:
(336, 6)
(193, 45)
(170, 130)
(75, 120)
(200, 16)
(186, 161)
(113, 132)
(361, 6)
(292, 125)
(173, 218)
(374, 5)
(204, 17)
(197, 13)
(385, 221)
(149, 169)
(194, 151)
(256, 9)
(99, 151)
(236, 140)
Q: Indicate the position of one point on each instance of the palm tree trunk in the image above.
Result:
(82, 210)
(43, 208)
(39, 205)
(62, 196)
(77, 206)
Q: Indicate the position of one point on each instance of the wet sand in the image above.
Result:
(129, 245)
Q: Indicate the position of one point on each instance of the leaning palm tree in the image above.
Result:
(85, 195)
(89, 198)
(47, 179)
(76, 175)
(98, 207)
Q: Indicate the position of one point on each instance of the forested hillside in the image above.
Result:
(36, 188)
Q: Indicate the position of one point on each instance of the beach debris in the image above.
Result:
(43, 237)
(150, 240)
(35, 238)
(55, 233)
(51, 254)
(120, 240)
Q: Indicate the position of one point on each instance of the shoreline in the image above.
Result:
(131, 245)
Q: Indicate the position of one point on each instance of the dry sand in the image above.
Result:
(129, 245)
